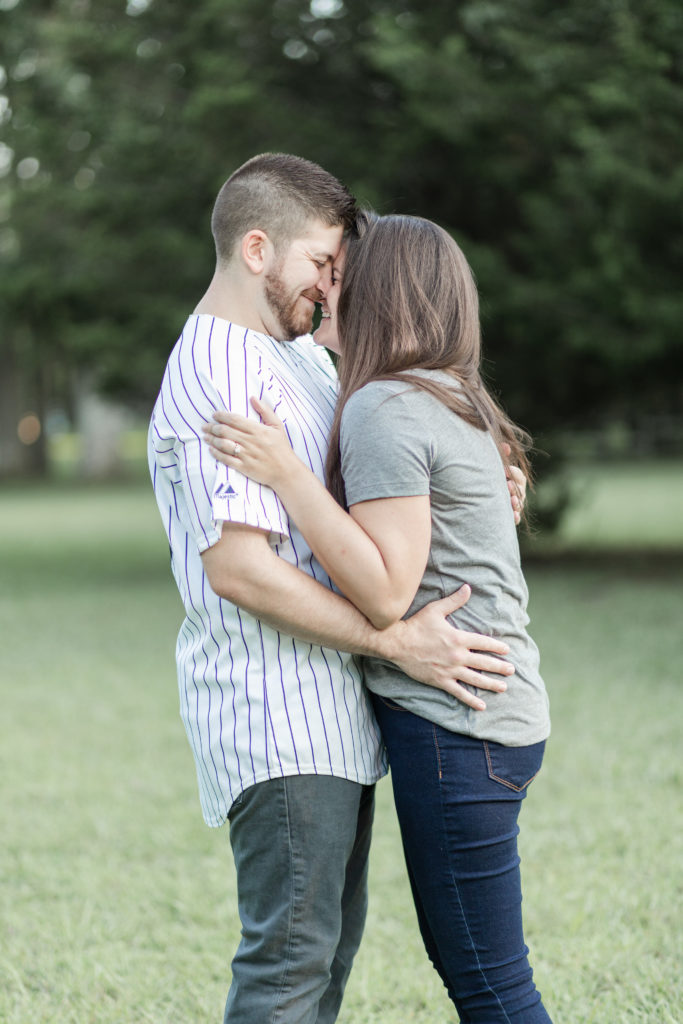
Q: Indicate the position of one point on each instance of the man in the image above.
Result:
(285, 744)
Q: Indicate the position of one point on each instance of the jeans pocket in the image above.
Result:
(514, 767)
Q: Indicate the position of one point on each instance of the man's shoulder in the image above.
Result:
(305, 344)
(210, 343)
(314, 357)
(207, 328)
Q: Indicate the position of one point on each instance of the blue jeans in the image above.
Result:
(301, 848)
(457, 801)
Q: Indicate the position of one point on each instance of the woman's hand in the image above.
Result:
(259, 450)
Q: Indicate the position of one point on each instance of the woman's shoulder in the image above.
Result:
(378, 398)
(405, 386)
(408, 392)
(378, 387)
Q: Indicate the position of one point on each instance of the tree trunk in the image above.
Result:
(21, 398)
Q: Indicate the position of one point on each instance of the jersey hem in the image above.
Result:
(216, 821)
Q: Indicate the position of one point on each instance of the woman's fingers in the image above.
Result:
(227, 458)
(268, 415)
(226, 445)
(226, 449)
(223, 420)
(232, 419)
(234, 427)
(222, 433)
(223, 451)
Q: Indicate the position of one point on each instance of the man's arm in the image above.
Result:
(243, 568)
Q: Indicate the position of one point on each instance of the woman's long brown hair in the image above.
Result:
(408, 301)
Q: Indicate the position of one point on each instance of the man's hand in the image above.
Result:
(516, 485)
(433, 651)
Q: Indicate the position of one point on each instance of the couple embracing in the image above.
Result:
(345, 548)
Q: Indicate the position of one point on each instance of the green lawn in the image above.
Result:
(624, 505)
(118, 905)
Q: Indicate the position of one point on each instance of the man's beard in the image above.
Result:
(293, 323)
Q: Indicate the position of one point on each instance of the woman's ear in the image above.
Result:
(257, 251)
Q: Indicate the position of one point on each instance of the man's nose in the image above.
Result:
(325, 280)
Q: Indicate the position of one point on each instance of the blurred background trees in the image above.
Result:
(546, 137)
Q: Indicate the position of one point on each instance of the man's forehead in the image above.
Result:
(319, 240)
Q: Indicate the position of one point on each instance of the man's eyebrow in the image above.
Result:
(324, 257)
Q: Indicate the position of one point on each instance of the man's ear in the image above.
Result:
(257, 251)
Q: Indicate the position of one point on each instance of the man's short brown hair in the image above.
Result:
(278, 194)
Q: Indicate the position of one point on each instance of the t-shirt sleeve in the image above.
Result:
(385, 450)
(213, 372)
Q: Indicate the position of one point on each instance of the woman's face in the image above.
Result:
(326, 333)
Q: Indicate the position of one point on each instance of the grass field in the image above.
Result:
(118, 905)
(624, 505)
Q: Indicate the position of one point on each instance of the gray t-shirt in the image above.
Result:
(397, 441)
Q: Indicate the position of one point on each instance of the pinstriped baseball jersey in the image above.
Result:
(256, 703)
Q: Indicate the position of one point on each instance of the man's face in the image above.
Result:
(299, 278)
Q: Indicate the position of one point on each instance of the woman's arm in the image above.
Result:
(376, 555)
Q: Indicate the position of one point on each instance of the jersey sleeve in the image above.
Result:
(386, 451)
(211, 371)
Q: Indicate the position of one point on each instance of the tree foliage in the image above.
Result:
(546, 137)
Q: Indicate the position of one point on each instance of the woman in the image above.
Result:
(416, 457)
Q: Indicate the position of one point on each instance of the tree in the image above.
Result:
(544, 137)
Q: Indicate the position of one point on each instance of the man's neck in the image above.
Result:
(224, 300)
